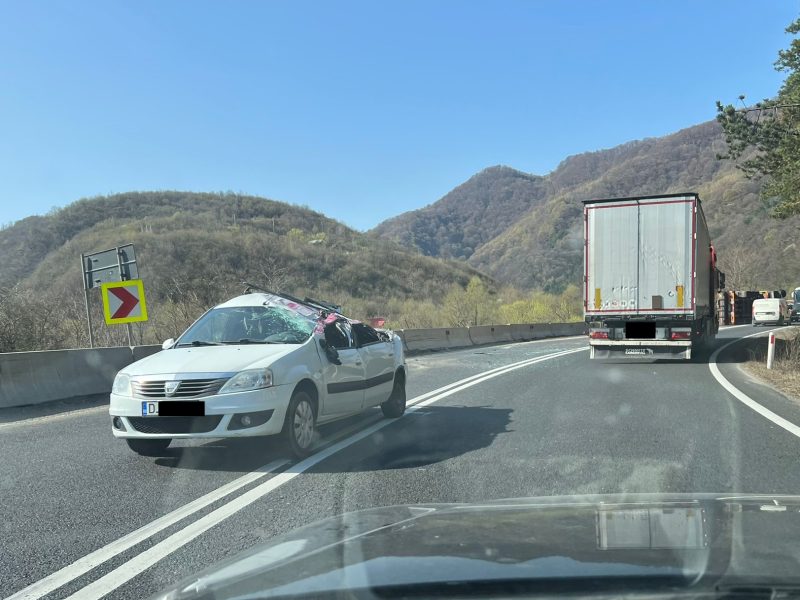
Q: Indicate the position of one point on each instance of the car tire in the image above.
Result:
(395, 406)
(149, 447)
(299, 426)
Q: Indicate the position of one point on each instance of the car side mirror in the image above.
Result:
(168, 344)
(330, 352)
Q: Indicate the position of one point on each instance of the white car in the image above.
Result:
(259, 364)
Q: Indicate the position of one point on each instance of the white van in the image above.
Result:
(771, 311)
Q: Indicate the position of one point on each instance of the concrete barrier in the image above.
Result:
(547, 330)
(38, 377)
(458, 337)
(522, 333)
(542, 331)
(490, 334)
(426, 339)
(140, 352)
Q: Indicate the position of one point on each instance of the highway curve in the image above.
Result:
(541, 420)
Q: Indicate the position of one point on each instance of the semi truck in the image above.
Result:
(650, 277)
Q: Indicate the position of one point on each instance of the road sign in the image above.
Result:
(116, 264)
(123, 301)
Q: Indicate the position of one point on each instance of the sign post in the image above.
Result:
(86, 300)
(109, 266)
(771, 350)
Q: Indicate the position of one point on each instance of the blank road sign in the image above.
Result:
(123, 302)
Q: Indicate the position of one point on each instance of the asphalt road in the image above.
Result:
(558, 425)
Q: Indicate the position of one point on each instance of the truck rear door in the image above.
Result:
(639, 256)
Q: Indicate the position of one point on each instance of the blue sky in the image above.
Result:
(358, 110)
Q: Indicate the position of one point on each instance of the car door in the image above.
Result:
(378, 357)
(345, 381)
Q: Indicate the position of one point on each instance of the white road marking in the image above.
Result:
(744, 398)
(101, 555)
(135, 566)
(55, 417)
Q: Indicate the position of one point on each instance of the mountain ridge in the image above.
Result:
(541, 246)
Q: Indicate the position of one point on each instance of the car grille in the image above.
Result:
(187, 388)
(175, 424)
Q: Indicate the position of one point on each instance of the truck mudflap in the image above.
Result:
(628, 349)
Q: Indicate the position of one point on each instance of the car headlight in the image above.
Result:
(253, 379)
(122, 385)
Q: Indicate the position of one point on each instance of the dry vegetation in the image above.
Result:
(785, 372)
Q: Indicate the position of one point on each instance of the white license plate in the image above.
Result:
(149, 409)
(637, 351)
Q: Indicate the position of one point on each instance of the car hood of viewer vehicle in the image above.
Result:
(641, 542)
(209, 359)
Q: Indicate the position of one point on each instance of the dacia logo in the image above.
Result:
(170, 387)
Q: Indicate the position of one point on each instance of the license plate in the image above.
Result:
(173, 408)
(637, 351)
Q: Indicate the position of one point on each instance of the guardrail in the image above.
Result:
(38, 377)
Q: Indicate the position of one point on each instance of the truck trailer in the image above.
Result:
(650, 277)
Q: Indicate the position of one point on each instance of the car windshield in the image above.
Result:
(249, 325)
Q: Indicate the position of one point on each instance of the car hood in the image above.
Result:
(209, 359)
(534, 545)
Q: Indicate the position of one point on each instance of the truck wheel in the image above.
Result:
(395, 406)
(298, 428)
(154, 447)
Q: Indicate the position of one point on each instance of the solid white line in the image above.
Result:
(135, 566)
(478, 375)
(90, 561)
(54, 417)
(744, 398)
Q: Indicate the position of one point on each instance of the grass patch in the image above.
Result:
(785, 372)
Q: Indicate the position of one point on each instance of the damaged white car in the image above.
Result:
(260, 364)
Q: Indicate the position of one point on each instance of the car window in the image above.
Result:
(338, 335)
(364, 334)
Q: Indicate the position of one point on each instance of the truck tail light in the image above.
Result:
(681, 335)
(598, 335)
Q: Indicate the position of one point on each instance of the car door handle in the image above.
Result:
(358, 363)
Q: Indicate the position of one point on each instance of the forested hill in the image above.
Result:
(202, 246)
(536, 243)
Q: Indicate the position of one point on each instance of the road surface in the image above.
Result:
(84, 516)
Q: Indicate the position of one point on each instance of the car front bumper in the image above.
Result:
(220, 421)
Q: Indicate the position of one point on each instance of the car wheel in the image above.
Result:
(149, 447)
(298, 429)
(395, 406)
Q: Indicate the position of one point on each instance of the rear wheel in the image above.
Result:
(298, 429)
(149, 447)
(395, 406)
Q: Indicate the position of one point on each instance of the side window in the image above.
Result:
(365, 334)
(338, 336)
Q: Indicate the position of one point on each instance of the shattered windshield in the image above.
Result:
(249, 324)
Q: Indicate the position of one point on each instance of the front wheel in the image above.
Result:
(149, 447)
(298, 429)
(395, 406)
